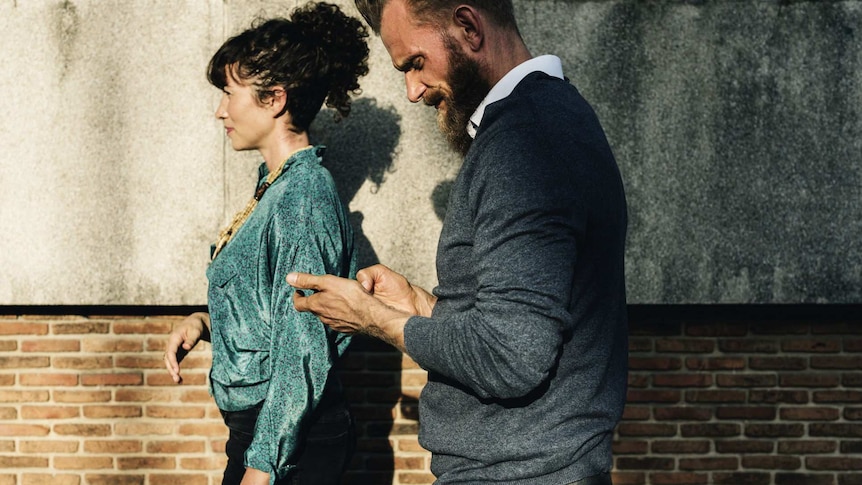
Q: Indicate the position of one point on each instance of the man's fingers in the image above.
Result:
(304, 281)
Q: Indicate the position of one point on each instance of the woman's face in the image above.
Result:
(249, 124)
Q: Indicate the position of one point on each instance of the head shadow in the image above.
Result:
(360, 147)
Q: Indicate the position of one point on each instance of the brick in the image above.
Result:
(646, 396)
(174, 447)
(806, 447)
(8, 413)
(97, 479)
(627, 478)
(774, 430)
(209, 463)
(189, 379)
(23, 396)
(414, 379)
(644, 463)
(112, 446)
(49, 380)
(83, 429)
(744, 446)
(148, 327)
(146, 462)
(80, 328)
(633, 413)
(850, 479)
(638, 345)
(654, 363)
(767, 462)
(745, 412)
(23, 462)
(83, 363)
(112, 411)
(50, 412)
(23, 328)
(748, 346)
(143, 362)
(741, 478)
(113, 379)
(717, 329)
(723, 396)
(7, 446)
(746, 380)
(853, 414)
(777, 363)
(679, 478)
(851, 397)
(696, 346)
(639, 380)
(44, 478)
(809, 414)
(200, 395)
(645, 429)
(683, 413)
(409, 463)
(842, 463)
(682, 380)
(415, 478)
(112, 345)
(703, 464)
(809, 380)
(851, 379)
(147, 395)
(176, 478)
(630, 447)
(838, 430)
(786, 328)
(81, 396)
(852, 345)
(9, 430)
(714, 364)
(176, 412)
(715, 430)
(777, 397)
(836, 328)
(851, 447)
(51, 345)
(811, 345)
(31, 362)
(131, 428)
(803, 479)
(836, 362)
(680, 447)
(214, 429)
(52, 445)
(8, 345)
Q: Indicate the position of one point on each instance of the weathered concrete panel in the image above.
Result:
(736, 126)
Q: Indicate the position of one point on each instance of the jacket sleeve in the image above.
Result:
(524, 219)
(308, 234)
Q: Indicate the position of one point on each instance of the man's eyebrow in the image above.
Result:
(407, 64)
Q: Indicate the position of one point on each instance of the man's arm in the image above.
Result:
(378, 304)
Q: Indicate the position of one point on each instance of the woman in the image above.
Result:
(272, 373)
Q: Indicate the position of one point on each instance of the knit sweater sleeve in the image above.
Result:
(517, 208)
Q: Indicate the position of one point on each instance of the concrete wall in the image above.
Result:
(736, 125)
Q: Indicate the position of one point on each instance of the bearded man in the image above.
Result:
(525, 336)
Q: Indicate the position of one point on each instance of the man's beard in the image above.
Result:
(468, 87)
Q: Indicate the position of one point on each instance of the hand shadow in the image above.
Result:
(358, 148)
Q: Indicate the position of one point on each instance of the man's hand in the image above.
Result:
(184, 337)
(346, 306)
(394, 290)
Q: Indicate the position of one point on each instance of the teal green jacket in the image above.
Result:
(263, 349)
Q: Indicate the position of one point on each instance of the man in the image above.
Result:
(525, 337)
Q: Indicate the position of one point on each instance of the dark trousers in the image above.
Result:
(322, 458)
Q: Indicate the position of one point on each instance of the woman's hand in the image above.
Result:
(183, 338)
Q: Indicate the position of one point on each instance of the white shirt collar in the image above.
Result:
(550, 65)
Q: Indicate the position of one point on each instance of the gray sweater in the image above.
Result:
(527, 345)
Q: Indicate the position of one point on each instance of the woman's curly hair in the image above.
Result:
(317, 55)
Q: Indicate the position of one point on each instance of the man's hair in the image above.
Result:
(501, 11)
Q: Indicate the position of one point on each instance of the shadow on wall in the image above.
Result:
(358, 148)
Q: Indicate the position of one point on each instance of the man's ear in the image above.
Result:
(471, 26)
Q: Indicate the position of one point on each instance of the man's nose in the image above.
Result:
(415, 88)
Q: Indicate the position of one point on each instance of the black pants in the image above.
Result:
(322, 458)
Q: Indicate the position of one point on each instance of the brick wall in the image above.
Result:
(750, 397)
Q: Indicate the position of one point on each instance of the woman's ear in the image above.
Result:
(278, 100)
(471, 26)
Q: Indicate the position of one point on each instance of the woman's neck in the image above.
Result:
(287, 144)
